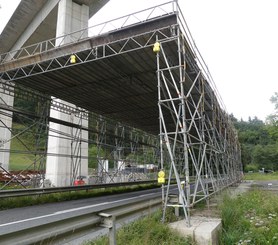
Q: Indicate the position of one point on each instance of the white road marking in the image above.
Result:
(71, 210)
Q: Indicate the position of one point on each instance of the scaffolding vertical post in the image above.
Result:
(160, 124)
(76, 146)
(182, 70)
(40, 144)
(172, 133)
(101, 141)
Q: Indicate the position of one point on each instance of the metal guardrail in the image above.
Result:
(49, 232)
(43, 191)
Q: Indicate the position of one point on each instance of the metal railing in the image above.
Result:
(50, 190)
(112, 25)
(57, 226)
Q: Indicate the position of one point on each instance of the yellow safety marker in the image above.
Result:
(72, 59)
(161, 177)
(156, 47)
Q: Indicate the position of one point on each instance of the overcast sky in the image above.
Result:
(237, 38)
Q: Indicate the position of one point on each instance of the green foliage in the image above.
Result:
(259, 140)
(21, 143)
(92, 153)
(266, 156)
(246, 154)
(141, 157)
(274, 100)
(258, 144)
(273, 132)
(251, 167)
(261, 176)
(146, 231)
(272, 119)
(252, 132)
(250, 219)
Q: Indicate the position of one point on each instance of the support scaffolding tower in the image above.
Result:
(200, 139)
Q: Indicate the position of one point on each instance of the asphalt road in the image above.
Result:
(266, 184)
(14, 219)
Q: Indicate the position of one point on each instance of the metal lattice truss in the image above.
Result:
(122, 22)
(48, 64)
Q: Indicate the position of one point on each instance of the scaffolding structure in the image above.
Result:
(116, 143)
(200, 139)
(191, 136)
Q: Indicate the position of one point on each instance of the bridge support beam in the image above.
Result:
(68, 156)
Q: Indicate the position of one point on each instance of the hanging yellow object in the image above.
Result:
(156, 47)
(161, 180)
(161, 174)
(72, 59)
(161, 177)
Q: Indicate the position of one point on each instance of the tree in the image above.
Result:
(233, 118)
(274, 100)
(272, 119)
(259, 140)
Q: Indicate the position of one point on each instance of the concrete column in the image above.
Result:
(63, 151)
(5, 133)
(71, 17)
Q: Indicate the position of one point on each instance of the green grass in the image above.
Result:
(21, 161)
(250, 219)
(146, 231)
(261, 176)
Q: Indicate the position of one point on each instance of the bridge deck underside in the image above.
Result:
(120, 83)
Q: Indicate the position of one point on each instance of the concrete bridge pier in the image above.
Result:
(64, 161)
(5, 133)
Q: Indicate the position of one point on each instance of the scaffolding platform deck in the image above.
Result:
(114, 74)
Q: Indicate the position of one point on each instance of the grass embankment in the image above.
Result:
(250, 219)
(261, 176)
(147, 231)
(19, 161)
